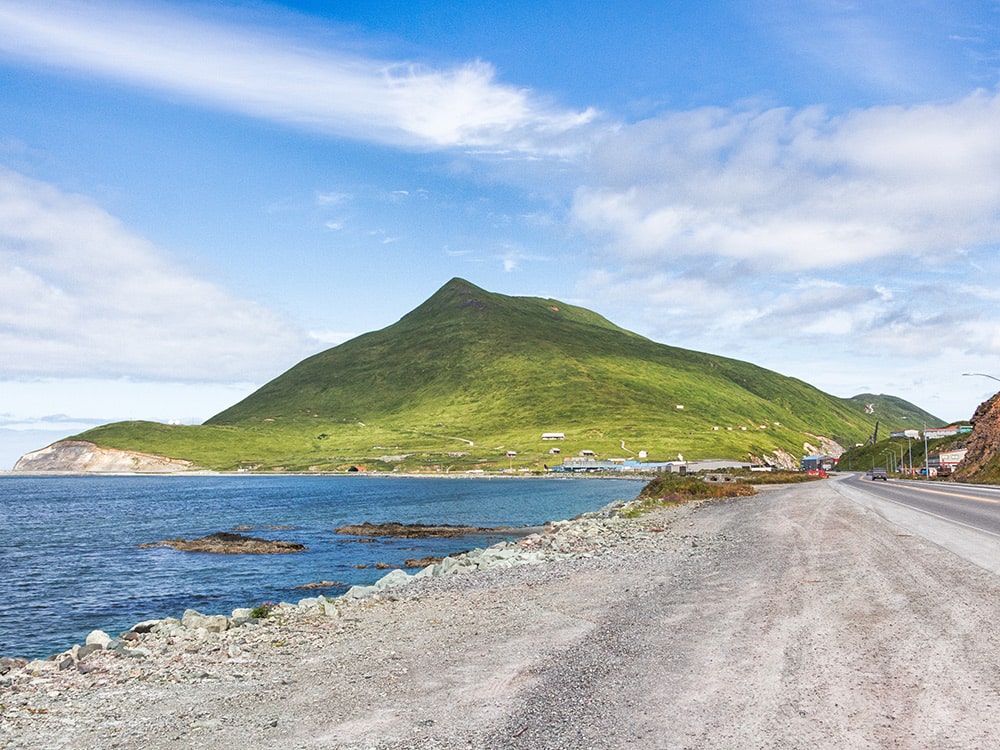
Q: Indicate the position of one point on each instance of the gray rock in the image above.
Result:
(168, 626)
(240, 616)
(216, 623)
(359, 592)
(84, 651)
(8, 664)
(194, 620)
(41, 666)
(98, 638)
(392, 580)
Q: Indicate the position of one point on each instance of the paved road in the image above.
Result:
(798, 621)
(975, 506)
(964, 519)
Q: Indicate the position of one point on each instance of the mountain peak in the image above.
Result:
(462, 292)
(470, 375)
(456, 295)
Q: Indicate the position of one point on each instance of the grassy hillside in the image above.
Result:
(895, 413)
(470, 375)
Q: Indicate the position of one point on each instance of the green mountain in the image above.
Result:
(894, 413)
(469, 376)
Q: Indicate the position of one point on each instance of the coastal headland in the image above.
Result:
(792, 618)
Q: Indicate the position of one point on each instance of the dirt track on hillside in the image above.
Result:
(793, 619)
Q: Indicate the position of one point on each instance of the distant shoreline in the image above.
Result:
(372, 474)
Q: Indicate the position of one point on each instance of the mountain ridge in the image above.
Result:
(469, 377)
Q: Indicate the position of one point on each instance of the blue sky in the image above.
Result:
(194, 196)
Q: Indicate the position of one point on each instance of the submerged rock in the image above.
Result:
(320, 585)
(417, 530)
(227, 543)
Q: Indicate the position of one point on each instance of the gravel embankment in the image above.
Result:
(793, 619)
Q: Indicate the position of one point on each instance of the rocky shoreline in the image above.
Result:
(151, 649)
(795, 618)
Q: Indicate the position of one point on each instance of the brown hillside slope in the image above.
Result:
(982, 462)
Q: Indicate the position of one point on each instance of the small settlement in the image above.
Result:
(941, 463)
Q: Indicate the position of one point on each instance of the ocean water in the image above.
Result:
(70, 560)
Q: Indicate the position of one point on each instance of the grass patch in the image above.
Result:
(671, 489)
(778, 477)
(262, 610)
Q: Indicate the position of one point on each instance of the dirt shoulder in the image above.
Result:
(795, 618)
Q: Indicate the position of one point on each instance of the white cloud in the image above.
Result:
(80, 295)
(800, 189)
(513, 255)
(285, 79)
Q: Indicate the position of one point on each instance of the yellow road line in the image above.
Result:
(951, 494)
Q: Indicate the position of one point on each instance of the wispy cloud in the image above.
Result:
(802, 189)
(513, 255)
(286, 79)
(80, 295)
(50, 403)
(894, 48)
(332, 199)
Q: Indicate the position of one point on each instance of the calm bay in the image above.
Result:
(70, 559)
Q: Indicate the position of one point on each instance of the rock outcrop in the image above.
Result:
(227, 543)
(982, 461)
(79, 456)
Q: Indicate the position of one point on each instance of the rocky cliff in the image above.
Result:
(982, 462)
(80, 456)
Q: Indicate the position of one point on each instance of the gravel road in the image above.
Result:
(792, 619)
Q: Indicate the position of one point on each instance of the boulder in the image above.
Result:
(193, 620)
(40, 667)
(240, 616)
(98, 638)
(392, 580)
(82, 652)
(9, 663)
(167, 626)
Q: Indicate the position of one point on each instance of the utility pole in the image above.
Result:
(927, 465)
